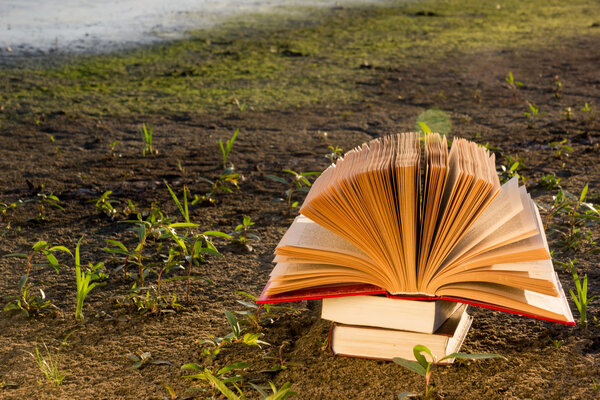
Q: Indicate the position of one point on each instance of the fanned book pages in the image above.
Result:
(374, 223)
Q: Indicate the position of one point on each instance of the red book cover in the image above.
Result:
(365, 289)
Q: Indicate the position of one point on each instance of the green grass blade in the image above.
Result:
(411, 365)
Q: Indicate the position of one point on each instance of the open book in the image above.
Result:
(373, 223)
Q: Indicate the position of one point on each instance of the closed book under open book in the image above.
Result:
(385, 344)
(384, 312)
(374, 223)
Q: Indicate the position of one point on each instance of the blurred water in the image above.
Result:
(102, 25)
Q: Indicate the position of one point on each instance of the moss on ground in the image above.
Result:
(267, 61)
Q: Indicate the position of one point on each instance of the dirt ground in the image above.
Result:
(70, 156)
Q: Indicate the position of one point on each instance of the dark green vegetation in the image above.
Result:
(315, 57)
(180, 230)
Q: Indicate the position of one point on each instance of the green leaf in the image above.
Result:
(77, 259)
(118, 244)
(424, 127)
(277, 179)
(472, 356)
(235, 326)
(183, 225)
(246, 294)
(217, 233)
(23, 281)
(60, 248)
(247, 304)
(176, 200)
(221, 386)
(191, 366)
(230, 367)
(39, 245)
(411, 365)
(52, 260)
(435, 120)
(310, 173)
(583, 193)
(20, 255)
(417, 350)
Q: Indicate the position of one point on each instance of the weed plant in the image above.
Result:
(147, 133)
(512, 83)
(533, 115)
(557, 87)
(423, 366)
(226, 149)
(258, 315)
(49, 366)
(85, 280)
(297, 182)
(222, 184)
(574, 214)
(42, 200)
(581, 299)
(220, 379)
(590, 110)
(235, 336)
(27, 302)
(561, 147)
(243, 233)
(143, 359)
(106, 206)
(549, 182)
(334, 154)
(283, 392)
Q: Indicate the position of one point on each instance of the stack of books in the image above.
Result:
(379, 234)
(383, 328)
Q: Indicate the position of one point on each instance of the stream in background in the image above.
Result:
(96, 26)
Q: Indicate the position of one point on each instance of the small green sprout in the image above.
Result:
(558, 86)
(226, 149)
(227, 177)
(235, 336)
(105, 206)
(113, 149)
(423, 366)
(242, 233)
(568, 113)
(561, 147)
(218, 380)
(84, 279)
(589, 109)
(298, 182)
(581, 300)
(512, 83)
(549, 181)
(335, 153)
(532, 115)
(143, 359)
(49, 366)
(278, 394)
(147, 133)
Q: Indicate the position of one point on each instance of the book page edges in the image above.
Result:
(456, 341)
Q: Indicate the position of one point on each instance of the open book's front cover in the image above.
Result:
(323, 292)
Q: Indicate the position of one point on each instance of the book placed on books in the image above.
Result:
(385, 344)
(374, 223)
(383, 312)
